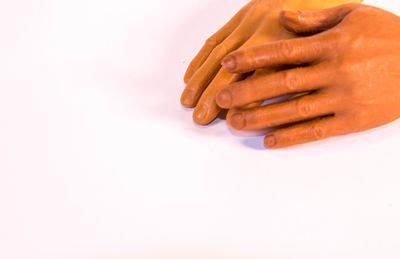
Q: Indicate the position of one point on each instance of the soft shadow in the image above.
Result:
(213, 123)
(256, 143)
(249, 134)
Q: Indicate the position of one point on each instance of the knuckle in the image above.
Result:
(317, 132)
(346, 41)
(356, 43)
(336, 34)
(352, 41)
(291, 81)
(220, 51)
(285, 49)
(211, 41)
(338, 41)
(304, 107)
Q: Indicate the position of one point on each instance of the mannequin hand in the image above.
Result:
(256, 23)
(350, 72)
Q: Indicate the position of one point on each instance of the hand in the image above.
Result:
(348, 72)
(256, 23)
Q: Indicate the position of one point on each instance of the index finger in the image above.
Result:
(216, 39)
(285, 52)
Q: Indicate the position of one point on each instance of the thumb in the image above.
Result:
(314, 21)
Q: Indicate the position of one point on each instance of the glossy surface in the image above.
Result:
(255, 23)
(350, 75)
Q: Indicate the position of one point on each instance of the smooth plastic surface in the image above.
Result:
(347, 70)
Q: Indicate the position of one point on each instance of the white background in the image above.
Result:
(99, 160)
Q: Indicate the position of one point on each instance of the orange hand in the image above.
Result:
(256, 23)
(349, 76)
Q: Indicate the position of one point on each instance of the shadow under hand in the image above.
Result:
(256, 143)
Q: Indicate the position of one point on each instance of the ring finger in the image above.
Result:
(301, 108)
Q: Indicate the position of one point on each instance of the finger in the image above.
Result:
(302, 108)
(313, 21)
(207, 109)
(274, 85)
(204, 75)
(306, 132)
(286, 52)
(214, 41)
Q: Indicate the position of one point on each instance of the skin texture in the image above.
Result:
(347, 69)
(255, 23)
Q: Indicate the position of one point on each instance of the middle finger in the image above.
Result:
(274, 85)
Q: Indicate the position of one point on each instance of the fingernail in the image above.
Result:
(187, 98)
(291, 14)
(238, 121)
(229, 63)
(224, 99)
(270, 141)
(199, 114)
